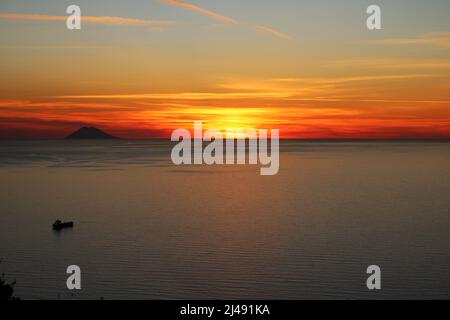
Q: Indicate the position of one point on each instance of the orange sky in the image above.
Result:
(146, 73)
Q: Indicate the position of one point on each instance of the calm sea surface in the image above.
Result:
(146, 229)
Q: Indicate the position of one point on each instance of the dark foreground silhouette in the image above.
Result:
(90, 133)
(6, 290)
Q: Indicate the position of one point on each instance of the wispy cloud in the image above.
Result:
(62, 47)
(306, 89)
(226, 19)
(441, 39)
(104, 20)
(273, 32)
(201, 10)
(390, 64)
(182, 96)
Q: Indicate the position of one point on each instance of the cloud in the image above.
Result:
(155, 24)
(273, 90)
(295, 119)
(273, 32)
(55, 47)
(440, 39)
(104, 20)
(390, 64)
(225, 19)
(201, 10)
(182, 96)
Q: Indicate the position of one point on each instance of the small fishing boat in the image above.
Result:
(59, 225)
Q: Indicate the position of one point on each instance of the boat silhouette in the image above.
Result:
(59, 225)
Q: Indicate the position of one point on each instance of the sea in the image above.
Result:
(148, 229)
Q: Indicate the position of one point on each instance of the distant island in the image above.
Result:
(87, 133)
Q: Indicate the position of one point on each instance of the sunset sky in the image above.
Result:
(142, 68)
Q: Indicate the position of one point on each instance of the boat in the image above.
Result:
(59, 225)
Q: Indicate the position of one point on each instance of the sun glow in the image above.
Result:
(144, 75)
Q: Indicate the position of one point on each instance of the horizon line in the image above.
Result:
(281, 139)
